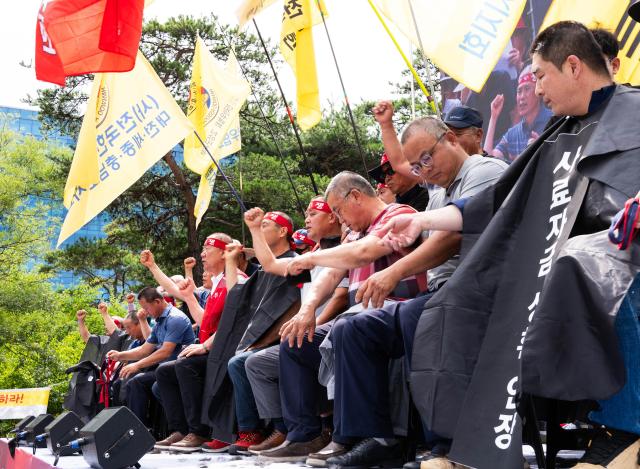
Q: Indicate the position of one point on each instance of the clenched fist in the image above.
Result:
(147, 259)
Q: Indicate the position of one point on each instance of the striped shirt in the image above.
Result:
(407, 287)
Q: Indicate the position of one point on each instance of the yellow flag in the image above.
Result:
(135, 121)
(216, 95)
(215, 98)
(84, 170)
(249, 8)
(611, 15)
(296, 46)
(465, 38)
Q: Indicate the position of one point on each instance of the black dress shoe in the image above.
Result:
(411, 465)
(368, 453)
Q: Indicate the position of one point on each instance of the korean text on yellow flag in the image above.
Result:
(296, 46)
(215, 97)
(611, 15)
(230, 144)
(18, 403)
(465, 38)
(134, 121)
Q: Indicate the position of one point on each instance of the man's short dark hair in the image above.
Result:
(149, 294)
(565, 38)
(607, 42)
(132, 317)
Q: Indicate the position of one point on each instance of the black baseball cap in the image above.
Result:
(462, 117)
(377, 173)
(634, 10)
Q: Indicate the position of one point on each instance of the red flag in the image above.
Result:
(74, 37)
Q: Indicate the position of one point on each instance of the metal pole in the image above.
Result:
(289, 113)
(427, 69)
(224, 176)
(344, 91)
(269, 128)
(404, 57)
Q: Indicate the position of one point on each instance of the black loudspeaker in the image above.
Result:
(115, 439)
(61, 431)
(35, 428)
(22, 423)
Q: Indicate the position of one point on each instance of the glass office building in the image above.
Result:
(25, 122)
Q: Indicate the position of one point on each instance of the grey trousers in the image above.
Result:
(263, 372)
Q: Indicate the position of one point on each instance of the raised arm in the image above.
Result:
(253, 219)
(496, 110)
(147, 260)
(82, 326)
(187, 288)
(145, 328)
(383, 114)
(109, 325)
(189, 264)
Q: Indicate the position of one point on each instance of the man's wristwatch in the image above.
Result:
(205, 347)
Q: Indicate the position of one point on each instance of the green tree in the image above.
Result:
(36, 322)
(156, 212)
(163, 200)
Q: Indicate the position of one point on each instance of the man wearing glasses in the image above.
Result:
(363, 344)
(406, 190)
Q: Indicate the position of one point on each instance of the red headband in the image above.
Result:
(320, 205)
(527, 78)
(380, 186)
(280, 220)
(302, 237)
(216, 243)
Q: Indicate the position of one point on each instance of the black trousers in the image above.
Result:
(139, 394)
(363, 344)
(300, 392)
(181, 385)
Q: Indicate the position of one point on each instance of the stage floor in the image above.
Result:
(166, 460)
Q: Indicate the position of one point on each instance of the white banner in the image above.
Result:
(18, 403)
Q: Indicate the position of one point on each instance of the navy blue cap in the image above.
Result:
(634, 10)
(462, 117)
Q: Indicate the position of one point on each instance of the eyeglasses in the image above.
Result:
(338, 210)
(426, 159)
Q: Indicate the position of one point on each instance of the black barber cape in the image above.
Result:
(524, 312)
(82, 395)
(250, 310)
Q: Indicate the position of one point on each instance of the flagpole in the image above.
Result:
(424, 60)
(271, 132)
(406, 60)
(224, 176)
(289, 113)
(344, 91)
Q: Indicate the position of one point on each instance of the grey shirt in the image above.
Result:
(476, 173)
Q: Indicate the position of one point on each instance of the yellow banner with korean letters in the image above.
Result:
(131, 122)
(465, 38)
(18, 403)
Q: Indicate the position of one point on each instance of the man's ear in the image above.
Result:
(615, 65)
(575, 66)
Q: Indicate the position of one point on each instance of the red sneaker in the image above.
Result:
(215, 446)
(245, 439)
